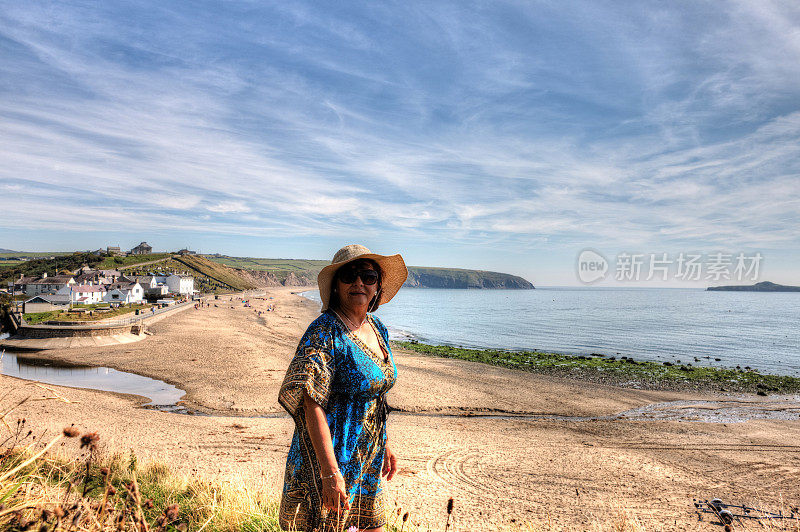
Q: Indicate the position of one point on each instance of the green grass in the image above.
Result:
(618, 371)
(10, 262)
(109, 263)
(274, 265)
(35, 318)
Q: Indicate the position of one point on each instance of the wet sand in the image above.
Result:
(508, 446)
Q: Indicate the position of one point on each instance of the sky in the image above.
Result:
(507, 136)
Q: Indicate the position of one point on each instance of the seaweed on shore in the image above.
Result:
(623, 371)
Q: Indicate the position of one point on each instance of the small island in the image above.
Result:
(764, 286)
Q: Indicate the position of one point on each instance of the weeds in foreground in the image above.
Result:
(43, 488)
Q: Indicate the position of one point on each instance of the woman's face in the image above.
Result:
(356, 294)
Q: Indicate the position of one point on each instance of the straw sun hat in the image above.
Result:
(393, 272)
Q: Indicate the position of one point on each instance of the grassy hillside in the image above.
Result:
(418, 276)
(280, 268)
(37, 267)
(215, 271)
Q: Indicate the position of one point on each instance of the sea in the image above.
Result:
(681, 325)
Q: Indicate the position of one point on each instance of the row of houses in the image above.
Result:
(88, 287)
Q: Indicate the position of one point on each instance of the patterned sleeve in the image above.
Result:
(311, 369)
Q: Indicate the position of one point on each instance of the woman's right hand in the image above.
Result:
(334, 494)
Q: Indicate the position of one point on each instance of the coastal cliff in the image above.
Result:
(764, 286)
(421, 277)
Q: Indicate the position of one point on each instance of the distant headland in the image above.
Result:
(764, 286)
(303, 272)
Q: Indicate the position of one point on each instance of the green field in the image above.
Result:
(8, 260)
(34, 254)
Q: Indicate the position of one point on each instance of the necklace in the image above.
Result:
(350, 324)
(353, 326)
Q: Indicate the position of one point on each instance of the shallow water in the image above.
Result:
(694, 326)
(161, 395)
(165, 397)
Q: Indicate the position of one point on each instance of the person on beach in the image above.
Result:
(335, 390)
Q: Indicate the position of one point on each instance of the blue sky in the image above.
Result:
(494, 135)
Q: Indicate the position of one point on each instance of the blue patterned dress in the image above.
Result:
(349, 380)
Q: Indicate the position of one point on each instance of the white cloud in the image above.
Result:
(229, 207)
(455, 131)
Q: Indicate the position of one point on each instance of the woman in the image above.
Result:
(335, 390)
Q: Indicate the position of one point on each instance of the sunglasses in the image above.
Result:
(368, 277)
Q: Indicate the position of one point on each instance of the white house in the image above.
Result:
(83, 294)
(43, 285)
(124, 293)
(147, 281)
(180, 284)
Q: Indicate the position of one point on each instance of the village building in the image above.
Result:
(180, 284)
(142, 249)
(83, 294)
(152, 288)
(147, 281)
(45, 303)
(42, 285)
(124, 293)
(97, 276)
(114, 251)
(20, 286)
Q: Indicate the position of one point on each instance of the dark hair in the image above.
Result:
(333, 302)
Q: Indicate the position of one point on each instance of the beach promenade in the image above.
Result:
(509, 447)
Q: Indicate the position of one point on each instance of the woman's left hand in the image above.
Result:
(389, 464)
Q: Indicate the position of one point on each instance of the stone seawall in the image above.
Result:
(40, 337)
(55, 331)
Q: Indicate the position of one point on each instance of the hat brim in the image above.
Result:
(393, 274)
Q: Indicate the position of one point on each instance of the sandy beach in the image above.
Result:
(508, 446)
